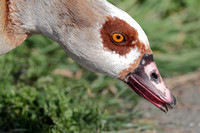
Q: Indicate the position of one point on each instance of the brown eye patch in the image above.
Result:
(123, 34)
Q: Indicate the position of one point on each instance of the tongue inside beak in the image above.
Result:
(146, 81)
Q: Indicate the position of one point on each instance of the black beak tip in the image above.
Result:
(173, 104)
(170, 105)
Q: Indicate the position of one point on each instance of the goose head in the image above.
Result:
(101, 38)
(114, 44)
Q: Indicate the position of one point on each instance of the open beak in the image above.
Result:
(146, 81)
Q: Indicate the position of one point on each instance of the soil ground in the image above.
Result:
(185, 118)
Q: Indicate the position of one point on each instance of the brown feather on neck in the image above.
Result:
(11, 34)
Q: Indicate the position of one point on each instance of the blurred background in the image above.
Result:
(42, 90)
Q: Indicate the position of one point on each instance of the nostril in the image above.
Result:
(154, 76)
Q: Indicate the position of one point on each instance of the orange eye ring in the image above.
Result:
(118, 38)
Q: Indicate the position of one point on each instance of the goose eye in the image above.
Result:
(118, 38)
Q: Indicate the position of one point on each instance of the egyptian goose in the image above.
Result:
(94, 33)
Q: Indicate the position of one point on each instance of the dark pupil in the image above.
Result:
(118, 36)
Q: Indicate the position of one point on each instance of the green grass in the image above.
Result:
(35, 100)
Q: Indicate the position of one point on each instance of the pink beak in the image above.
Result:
(146, 81)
